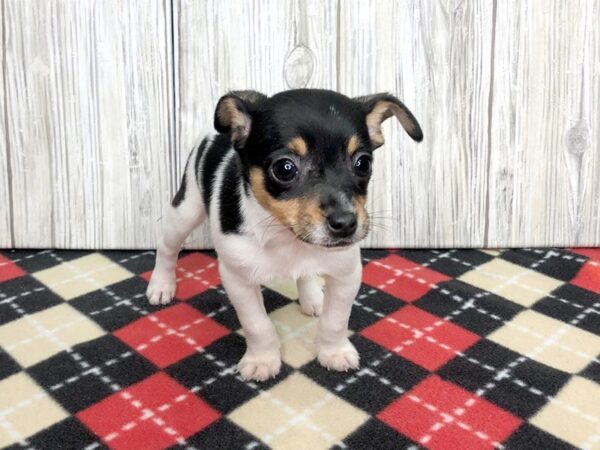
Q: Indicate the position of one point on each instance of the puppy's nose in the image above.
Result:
(341, 224)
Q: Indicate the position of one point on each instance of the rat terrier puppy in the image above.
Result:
(284, 185)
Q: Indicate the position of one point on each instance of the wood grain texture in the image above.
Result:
(436, 57)
(589, 214)
(266, 45)
(5, 198)
(89, 104)
(544, 167)
(101, 102)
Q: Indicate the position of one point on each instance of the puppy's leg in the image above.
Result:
(262, 359)
(310, 295)
(183, 215)
(334, 349)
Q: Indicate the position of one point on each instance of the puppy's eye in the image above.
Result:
(362, 166)
(284, 170)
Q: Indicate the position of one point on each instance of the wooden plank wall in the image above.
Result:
(5, 197)
(103, 102)
(436, 57)
(88, 98)
(544, 179)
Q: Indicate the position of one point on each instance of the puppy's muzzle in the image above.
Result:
(341, 224)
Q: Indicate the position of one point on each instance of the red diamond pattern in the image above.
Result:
(9, 270)
(149, 377)
(196, 273)
(592, 253)
(441, 415)
(171, 334)
(589, 277)
(423, 338)
(401, 278)
(152, 414)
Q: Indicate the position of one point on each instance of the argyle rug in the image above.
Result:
(460, 349)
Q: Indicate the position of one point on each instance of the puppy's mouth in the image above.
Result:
(319, 236)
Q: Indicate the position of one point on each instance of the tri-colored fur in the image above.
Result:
(284, 185)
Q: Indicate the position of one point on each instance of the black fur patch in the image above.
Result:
(230, 213)
(199, 157)
(180, 195)
(214, 155)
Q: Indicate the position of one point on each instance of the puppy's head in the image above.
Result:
(307, 156)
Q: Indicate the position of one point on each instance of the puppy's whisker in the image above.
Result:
(377, 227)
(384, 218)
(381, 216)
(381, 212)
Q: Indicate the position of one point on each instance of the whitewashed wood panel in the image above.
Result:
(266, 45)
(5, 207)
(589, 214)
(100, 109)
(544, 186)
(89, 104)
(436, 57)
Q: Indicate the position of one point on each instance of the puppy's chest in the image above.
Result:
(265, 262)
(287, 264)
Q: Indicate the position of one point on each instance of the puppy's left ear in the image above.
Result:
(233, 114)
(379, 107)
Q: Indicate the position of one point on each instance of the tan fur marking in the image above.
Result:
(231, 116)
(374, 119)
(302, 215)
(359, 207)
(298, 146)
(311, 211)
(353, 144)
(284, 210)
(384, 110)
(228, 112)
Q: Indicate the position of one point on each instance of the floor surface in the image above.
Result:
(460, 349)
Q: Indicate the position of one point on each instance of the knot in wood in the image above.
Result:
(299, 66)
(578, 139)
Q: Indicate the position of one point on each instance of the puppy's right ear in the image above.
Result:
(233, 114)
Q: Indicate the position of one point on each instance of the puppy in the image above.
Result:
(283, 183)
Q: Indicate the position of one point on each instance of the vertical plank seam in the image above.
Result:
(172, 60)
(11, 216)
(338, 27)
(582, 123)
(58, 152)
(486, 236)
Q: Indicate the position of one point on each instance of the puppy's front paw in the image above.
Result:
(338, 357)
(260, 367)
(161, 288)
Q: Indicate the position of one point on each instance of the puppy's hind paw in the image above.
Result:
(311, 299)
(260, 367)
(341, 358)
(161, 289)
(312, 306)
